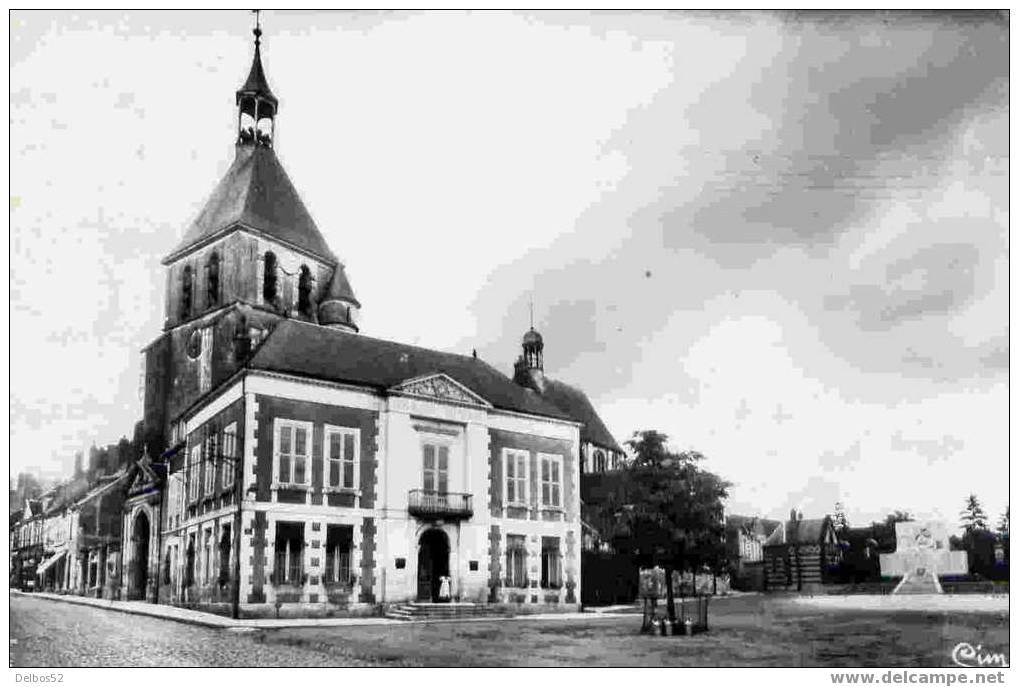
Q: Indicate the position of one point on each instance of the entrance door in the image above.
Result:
(141, 557)
(433, 563)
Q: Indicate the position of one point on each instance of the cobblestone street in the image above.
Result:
(51, 633)
(752, 630)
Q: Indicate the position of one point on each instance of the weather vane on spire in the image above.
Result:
(258, 24)
(531, 303)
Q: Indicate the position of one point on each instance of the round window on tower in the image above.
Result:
(194, 346)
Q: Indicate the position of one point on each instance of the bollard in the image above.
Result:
(664, 626)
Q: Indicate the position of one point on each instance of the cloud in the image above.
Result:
(934, 279)
(932, 449)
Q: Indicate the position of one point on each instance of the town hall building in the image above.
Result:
(296, 466)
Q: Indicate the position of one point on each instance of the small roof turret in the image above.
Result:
(532, 337)
(256, 83)
(338, 305)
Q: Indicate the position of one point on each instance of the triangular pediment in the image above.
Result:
(440, 387)
(145, 478)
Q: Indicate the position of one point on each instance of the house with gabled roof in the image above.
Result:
(801, 554)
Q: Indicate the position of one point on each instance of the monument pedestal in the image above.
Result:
(921, 554)
(919, 581)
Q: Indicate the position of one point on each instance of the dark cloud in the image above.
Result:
(855, 120)
(934, 280)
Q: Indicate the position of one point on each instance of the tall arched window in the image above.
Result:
(186, 284)
(212, 282)
(599, 461)
(269, 289)
(304, 292)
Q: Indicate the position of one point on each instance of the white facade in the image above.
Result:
(387, 532)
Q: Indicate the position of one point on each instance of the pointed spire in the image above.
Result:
(256, 83)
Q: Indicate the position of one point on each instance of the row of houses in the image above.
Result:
(68, 539)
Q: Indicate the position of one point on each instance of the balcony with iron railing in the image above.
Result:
(425, 503)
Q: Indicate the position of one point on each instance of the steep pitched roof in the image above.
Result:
(309, 350)
(576, 405)
(810, 531)
(256, 83)
(67, 493)
(256, 193)
(758, 526)
(105, 484)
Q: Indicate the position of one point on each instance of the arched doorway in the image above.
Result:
(139, 557)
(433, 563)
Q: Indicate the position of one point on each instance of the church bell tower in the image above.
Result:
(256, 105)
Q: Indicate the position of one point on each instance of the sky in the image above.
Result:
(780, 238)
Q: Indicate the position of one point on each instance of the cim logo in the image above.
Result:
(968, 656)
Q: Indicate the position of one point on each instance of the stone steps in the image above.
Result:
(417, 610)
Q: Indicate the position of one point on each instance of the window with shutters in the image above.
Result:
(515, 469)
(342, 451)
(292, 451)
(435, 467)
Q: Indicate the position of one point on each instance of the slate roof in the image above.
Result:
(309, 350)
(339, 288)
(256, 82)
(576, 405)
(256, 193)
(104, 484)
